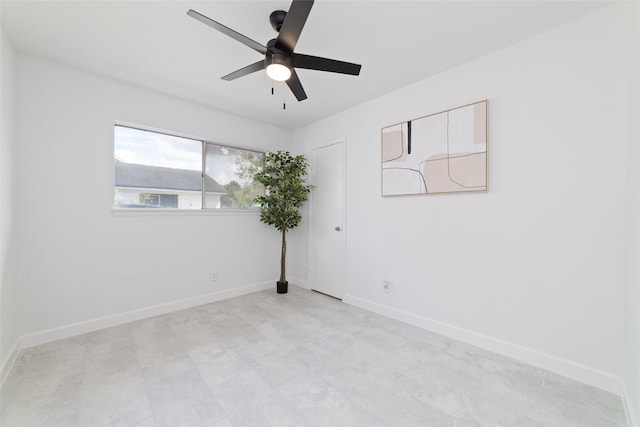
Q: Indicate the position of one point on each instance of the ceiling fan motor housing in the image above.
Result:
(276, 55)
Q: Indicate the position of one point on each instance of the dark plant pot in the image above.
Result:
(283, 287)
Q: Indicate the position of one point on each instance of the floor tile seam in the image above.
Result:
(136, 358)
(466, 411)
(269, 398)
(228, 412)
(295, 377)
(80, 400)
(148, 396)
(110, 402)
(33, 354)
(184, 345)
(140, 346)
(48, 396)
(128, 372)
(31, 397)
(213, 396)
(109, 350)
(107, 343)
(299, 415)
(151, 381)
(147, 338)
(199, 365)
(210, 388)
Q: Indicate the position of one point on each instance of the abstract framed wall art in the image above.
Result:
(444, 152)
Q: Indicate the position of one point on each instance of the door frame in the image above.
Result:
(342, 142)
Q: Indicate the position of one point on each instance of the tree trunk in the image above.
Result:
(283, 257)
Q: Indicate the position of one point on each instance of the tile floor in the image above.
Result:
(301, 359)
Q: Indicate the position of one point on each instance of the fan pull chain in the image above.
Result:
(284, 100)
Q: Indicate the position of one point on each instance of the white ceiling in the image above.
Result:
(154, 44)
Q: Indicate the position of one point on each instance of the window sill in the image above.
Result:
(183, 212)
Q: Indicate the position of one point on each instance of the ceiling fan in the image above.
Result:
(280, 60)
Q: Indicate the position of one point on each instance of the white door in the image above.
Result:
(326, 246)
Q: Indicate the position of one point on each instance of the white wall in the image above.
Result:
(79, 261)
(534, 268)
(632, 296)
(8, 230)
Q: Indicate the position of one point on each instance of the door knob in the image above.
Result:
(337, 228)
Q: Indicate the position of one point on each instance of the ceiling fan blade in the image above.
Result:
(324, 64)
(244, 71)
(228, 31)
(296, 87)
(293, 24)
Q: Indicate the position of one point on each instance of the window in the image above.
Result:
(233, 168)
(158, 200)
(156, 170)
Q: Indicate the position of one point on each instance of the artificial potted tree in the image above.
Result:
(286, 190)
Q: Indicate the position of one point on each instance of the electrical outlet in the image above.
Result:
(386, 286)
(214, 277)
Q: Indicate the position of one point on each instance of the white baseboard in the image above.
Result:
(8, 362)
(79, 328)
(300, 283)
(576, 371)
(629, 410)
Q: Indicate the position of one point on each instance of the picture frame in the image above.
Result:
(444, 152)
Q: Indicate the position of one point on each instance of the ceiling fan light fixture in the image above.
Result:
(278, 72)
(278, 67)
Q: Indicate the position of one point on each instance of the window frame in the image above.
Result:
(203, 210)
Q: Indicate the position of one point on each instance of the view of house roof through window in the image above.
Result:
(156, 170)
